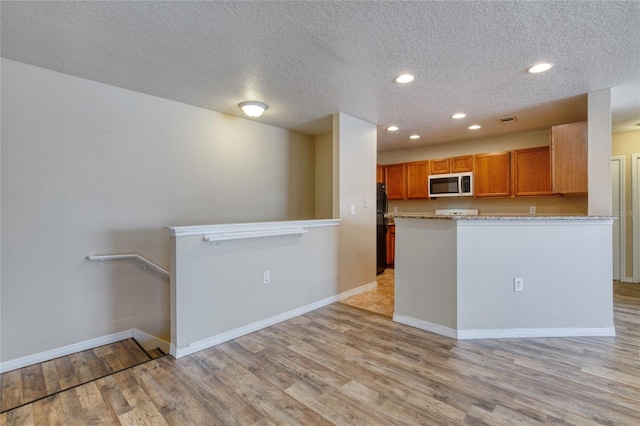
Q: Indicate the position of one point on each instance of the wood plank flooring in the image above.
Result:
(342, 365)
(28, 384)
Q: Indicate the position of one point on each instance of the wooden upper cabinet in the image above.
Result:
(492, 175)
(379, 173)
(417, 176)
(531, 170)
(569, 158)
(440, 166)
(396, 181)
(463, 163)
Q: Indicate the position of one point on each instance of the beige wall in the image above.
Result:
(324, 176)
(89, 168)
(626, 144)
(520, 205)
(355, 144)
(217, 289)
(599, 149)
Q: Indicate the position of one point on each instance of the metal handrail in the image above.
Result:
(145, 262)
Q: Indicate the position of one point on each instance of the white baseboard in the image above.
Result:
(147, 341)
(513, 333)
(425, 325)
(356, 290)
(259, 325)
(63, 351)
(509, 333)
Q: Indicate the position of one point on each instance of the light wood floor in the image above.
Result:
(342, 365)
(37, 381)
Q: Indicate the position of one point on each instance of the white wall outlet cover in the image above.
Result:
(353, 209)
(266, 277)
(518, 284)
(532, 209)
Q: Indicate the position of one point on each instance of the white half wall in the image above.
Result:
(456, 277)
(91, 169)
(217, 289)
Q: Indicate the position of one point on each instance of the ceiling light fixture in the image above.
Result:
(414, 137)
(393, 128)
(474, 127)
(404, 78)
(541, 67)
(459, 115)
(252, 108)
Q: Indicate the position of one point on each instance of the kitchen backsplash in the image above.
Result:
(576, 205)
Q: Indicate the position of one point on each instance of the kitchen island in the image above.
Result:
(454, 275)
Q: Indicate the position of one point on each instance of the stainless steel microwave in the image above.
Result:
(451, 185)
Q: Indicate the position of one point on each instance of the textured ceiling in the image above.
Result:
(308, 59)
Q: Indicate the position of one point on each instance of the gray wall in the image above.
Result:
(89, 168)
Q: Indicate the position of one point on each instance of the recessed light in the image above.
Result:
(392, 128)
(459, 115)
(474, 127)
(541, 67)
(404, 78)
(414, 137)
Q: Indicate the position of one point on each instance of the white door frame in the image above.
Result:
(635, 199)
(620, 212)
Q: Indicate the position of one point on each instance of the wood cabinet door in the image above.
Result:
(417, 177)
(492, 175)
(440, 166)
(391, 244)
(569, 158)
(379, 173)
(396, 181)
(532, 171)
(463, 163)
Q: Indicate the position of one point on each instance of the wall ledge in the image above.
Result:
(185, 231)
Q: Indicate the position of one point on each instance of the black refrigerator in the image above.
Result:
(381, 227)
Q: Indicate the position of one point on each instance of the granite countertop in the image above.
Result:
(499, 217)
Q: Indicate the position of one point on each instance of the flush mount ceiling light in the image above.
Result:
(541, 67)
(392, 128)
(459, 115)
(404, 78)
(474, 127)
(414, 137)
(252, 108)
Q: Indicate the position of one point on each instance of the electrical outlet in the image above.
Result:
(395, 210)
(353, 209)
(266, 277)
(518, 284)
(532, 209)
(365, 204)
